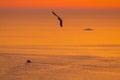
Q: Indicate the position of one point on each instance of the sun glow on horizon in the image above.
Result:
(60, 3)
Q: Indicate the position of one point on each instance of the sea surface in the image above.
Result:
(60, 62)
(59, 53)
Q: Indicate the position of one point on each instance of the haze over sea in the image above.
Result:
(68, 53)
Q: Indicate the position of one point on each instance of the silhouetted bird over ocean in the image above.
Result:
(28, 61)
(61, 22)
(88, 29)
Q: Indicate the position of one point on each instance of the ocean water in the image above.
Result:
(95, 50)
(64, 53)
(68, 62)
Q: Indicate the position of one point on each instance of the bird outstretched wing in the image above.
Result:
(88, 29)
(61, 22)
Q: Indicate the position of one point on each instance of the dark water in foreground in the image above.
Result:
(83, 63)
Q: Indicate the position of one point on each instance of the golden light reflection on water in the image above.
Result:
(58, 67)
(93, 50)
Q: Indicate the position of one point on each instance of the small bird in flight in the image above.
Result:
(88, 29)
(28, 61)
(61, 22)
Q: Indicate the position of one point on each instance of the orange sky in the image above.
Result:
(36, 27)
(39, 27)
(61, 3)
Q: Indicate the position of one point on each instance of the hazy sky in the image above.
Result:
(61, 3)
(31, 22)
(41, 27)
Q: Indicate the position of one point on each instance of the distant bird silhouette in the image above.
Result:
(61, 22)
(28, 61)
(88, 29)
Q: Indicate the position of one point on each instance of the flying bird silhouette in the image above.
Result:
(61, 22)
(88, 29)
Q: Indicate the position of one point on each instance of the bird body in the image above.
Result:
(61, 22)
(88, 29)
(28, 61)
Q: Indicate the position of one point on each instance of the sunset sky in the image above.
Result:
(29, 31)
(61, 3)
(30, 22)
